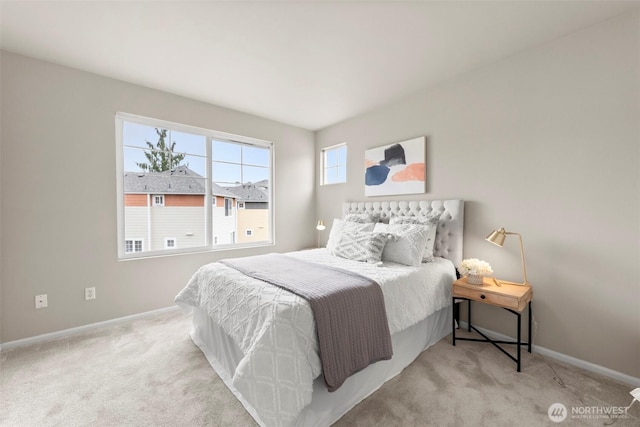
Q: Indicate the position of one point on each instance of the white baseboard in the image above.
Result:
(74, 331)
(570, 360)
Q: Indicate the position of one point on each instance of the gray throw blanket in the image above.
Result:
(349, 310)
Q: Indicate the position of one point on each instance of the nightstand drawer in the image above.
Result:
(510, 296)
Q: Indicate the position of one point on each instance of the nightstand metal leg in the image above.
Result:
(453, 320)
(469, 315)
(518, 342)
(530, 337)
(519, 339)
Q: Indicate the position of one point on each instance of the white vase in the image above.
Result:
(475, 279)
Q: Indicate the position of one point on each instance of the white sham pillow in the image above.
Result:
(407, 243)
(339, 226)
(430, 222)
(363, 218)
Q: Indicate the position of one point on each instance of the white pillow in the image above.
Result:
(363, 246)
(407, 244)
(363, 218)
(339, 226)
(430, 222)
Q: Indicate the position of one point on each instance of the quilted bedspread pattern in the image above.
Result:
(275, 329)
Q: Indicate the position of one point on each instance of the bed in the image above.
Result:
(261, 339)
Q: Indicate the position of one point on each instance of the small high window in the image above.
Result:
(334, 164)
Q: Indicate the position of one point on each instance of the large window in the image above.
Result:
(334, 164)
(187, 182)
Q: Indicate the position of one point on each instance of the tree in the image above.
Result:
(160, 157)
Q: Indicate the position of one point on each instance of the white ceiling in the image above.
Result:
(309, 64)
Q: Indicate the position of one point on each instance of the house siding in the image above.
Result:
(182, 217)
(183, 200)
(256, 220)
(135, 200)
(185, 224)
(223, 226)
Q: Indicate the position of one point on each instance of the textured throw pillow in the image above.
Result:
(430, 222)
(365, 246)
(362, 218)
(407, 243)
(339, 226)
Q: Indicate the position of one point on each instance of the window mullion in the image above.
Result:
(241, 164)
(208, 198)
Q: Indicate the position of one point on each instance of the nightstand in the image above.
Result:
(510, 296)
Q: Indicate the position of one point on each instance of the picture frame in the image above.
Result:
(396, 169)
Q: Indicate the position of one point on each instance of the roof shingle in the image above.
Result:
(180, 180)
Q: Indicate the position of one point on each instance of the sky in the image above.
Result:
(233, 162)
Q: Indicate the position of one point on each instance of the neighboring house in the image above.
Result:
(165, 210)
(253, 211)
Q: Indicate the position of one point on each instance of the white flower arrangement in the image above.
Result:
(474, 266)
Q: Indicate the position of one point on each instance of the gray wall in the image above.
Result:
(545, 143)
(59, 196)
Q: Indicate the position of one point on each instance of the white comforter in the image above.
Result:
(275, 329)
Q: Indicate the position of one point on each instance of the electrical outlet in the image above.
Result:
(41, 301)
(89, 293)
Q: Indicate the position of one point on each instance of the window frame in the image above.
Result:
(228, 206)
(323, 164)
(209, 245)
(154, 200)
(133, 245)
(170, 239)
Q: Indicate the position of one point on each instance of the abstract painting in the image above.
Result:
(395, 168)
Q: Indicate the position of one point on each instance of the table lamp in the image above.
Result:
(320, 227)
(497, 238)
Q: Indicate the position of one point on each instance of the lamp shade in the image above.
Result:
(320, 226)
(497, 237)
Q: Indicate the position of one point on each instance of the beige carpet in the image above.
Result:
(148, 373)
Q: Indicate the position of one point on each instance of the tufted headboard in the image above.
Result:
(450, 226)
